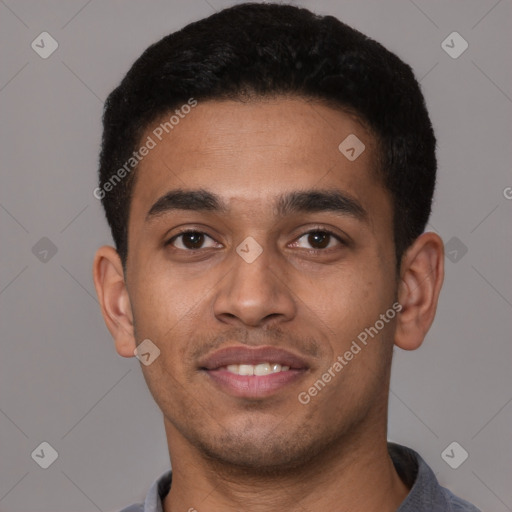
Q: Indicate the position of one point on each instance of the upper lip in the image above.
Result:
(246, 355)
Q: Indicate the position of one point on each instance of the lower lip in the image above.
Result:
(254, 386)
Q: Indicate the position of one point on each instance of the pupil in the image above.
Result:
(319, 238)
(195, 239)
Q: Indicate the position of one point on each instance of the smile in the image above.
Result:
(253, 372)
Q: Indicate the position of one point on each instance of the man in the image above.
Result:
(267, 175)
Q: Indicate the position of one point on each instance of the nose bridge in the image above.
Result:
(256, 288)
(253, 265)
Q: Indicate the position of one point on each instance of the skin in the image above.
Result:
(230, 453)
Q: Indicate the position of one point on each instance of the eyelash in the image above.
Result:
(316, 230)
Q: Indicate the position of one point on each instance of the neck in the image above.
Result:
(355, 474)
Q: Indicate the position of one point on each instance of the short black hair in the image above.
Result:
(259, 50)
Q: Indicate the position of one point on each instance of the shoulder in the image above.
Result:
(458, 504)
(137, 507)
(155, 496)
(426, 493)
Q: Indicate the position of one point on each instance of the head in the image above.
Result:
(293, 138)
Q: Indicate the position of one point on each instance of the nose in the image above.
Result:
(255, 292)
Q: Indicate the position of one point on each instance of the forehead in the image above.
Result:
(251, 152)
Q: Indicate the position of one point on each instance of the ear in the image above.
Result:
(115, 304)
(421, 278)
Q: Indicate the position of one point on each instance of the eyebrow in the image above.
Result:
(310, 201)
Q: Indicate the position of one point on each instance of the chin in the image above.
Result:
(264, 454)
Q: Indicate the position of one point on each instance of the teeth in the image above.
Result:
(255, 369)
(246, 369)
(263, 369)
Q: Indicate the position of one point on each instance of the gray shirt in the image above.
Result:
(426, 494)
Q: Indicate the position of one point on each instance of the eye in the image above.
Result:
(321, 239)
(189, 240)
(192, 240)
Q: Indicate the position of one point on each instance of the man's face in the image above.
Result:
(308, 292)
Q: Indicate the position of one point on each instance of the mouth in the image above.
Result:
(253, 372)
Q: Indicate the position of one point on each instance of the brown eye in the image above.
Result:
(189, 240)
(320, 239)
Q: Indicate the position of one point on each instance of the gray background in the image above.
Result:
(61, 380)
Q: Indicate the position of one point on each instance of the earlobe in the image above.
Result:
(421, 278)
(114, 300)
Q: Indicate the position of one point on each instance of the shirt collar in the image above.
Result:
(157, 492)
(425, 492)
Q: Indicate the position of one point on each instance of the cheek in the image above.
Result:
(347, 301)
(359, 350)
(164, 303)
